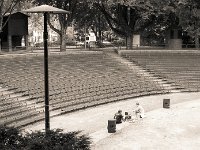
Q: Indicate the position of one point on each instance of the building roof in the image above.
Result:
(7, 14)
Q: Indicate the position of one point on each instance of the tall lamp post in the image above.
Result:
(45, 10)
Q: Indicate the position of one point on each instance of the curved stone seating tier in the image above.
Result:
(76, 81)
(178, 67)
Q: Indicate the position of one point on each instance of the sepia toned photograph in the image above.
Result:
(99, 74)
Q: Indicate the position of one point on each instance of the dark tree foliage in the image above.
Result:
(56, 140)
(127, 18)
(149, 17)
(89, 17)
(12, 139)
(64, 19)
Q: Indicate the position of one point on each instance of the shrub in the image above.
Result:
(12, 139)
(56, 140)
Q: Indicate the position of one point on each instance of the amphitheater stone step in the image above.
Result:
(146, 73)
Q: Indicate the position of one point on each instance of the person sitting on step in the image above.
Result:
(127, 116)
(119, 117)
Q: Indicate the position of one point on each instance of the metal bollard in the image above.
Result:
(111, 126)
(166, 103)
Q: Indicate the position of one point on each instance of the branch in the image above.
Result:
(72, 9)
(1, 6)
(110, 19)
(142, 24)
(63, 21)
(51, 26)
(1, 16)
(11, 8)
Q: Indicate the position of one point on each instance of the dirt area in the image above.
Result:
(176, 128)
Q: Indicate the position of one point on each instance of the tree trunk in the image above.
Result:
(197, 39)
(62, 31)
(0, 44)
(99, 28)
(129, 41)
(9, 42)
(63, 38)
(1, 20)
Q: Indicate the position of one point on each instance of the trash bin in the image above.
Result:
(111, 126)
(166, 103)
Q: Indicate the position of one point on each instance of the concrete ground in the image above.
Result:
(176, 128)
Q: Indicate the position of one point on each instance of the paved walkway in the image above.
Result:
(174, 128)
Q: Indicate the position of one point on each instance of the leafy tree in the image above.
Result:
(150, 17)
(182, 14)
(89, 18)
(190, 19)
(126, 17)
(64, 19)
(165, 18)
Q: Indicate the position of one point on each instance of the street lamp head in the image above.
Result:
(46, 9)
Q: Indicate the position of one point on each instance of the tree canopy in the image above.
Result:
(150, 16)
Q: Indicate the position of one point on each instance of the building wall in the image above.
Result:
(18, 24)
